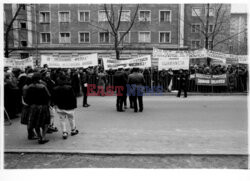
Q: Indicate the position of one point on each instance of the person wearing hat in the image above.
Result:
(136, 81)
(120, 80)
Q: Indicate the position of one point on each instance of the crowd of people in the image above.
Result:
(37, 93)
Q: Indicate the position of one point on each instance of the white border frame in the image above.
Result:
(49, 17)
(79, 11)
(144, 32)
(169, 37)
(160, 10)
(59, 19)
(60, 37)
(41, 37)
(80, 38)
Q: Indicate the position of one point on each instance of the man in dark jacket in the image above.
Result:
(136, 82)
(65, 101)
(182, 83)
(120, 81)
(84, 77)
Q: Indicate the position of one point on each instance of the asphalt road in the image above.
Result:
(168, 125)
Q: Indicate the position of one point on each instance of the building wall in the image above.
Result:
(238, 44)
(223, 34)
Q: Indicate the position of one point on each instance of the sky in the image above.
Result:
(239, 8)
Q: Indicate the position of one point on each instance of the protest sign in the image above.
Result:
(175, 63)
(19, 63)
(82, 61)
(209, 80)
(140, 62)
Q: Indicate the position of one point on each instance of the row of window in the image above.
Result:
(84, 16)
(197, 11)
(196, 44)
(104, 37)
(196, 28)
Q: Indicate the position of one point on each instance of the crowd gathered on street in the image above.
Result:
(39, 93)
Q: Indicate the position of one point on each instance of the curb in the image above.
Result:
(116, 153)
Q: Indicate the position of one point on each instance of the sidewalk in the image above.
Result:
(160, 129)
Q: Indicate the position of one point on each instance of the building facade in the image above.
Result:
(66, 30)
(238, 43)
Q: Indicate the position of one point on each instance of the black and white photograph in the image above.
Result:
(128, 85)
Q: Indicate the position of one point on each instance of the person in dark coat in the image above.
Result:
(136, 82)
(65, 102)
(120, 80)
(84, 77)
(182, 83)
(38, 98)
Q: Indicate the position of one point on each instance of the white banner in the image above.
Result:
(19, 63)
(140, 62)
(75, 62)
(243, 59)
(175, 63)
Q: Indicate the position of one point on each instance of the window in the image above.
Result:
(195, 28)
(164, 37)
(126, 38)
(24, 55)
(102, 15)
(144, 15)
(195, 44)
(45, 38)
(125, 15)
(165, 16)
(23, 25)
(24, 43)
(209, 44)
(84, 37)
(196, 11)
(44, 17)
(104, 37)
(144, 37)
(64, 38)
(210, 28)
(84, 16)
(64, 17)
(211, 12)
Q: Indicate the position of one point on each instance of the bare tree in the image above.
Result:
(17, 16)
(114, 25)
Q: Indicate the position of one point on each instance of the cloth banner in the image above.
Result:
(140, 62)
(175, 63)
(19, 63)
(202, 53)
(209, 80)
(82, 61)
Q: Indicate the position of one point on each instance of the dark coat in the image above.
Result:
(64, 97)
(120, 78)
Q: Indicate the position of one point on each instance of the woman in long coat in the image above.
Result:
(38, 97)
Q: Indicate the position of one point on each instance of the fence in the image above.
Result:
(234, 83)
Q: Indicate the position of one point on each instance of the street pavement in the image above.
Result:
(168, 125)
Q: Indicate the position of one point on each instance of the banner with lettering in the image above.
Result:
(175, 63)
(82, 61)
(19, 63)
(209, 80)
(140, 62)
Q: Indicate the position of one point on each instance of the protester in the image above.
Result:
(38, 98)
(101, 82)
(65, 101)
(136, 81)
(84, 77)
(120, 80)
(182, 83)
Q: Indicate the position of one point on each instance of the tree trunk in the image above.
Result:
(117, 54)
